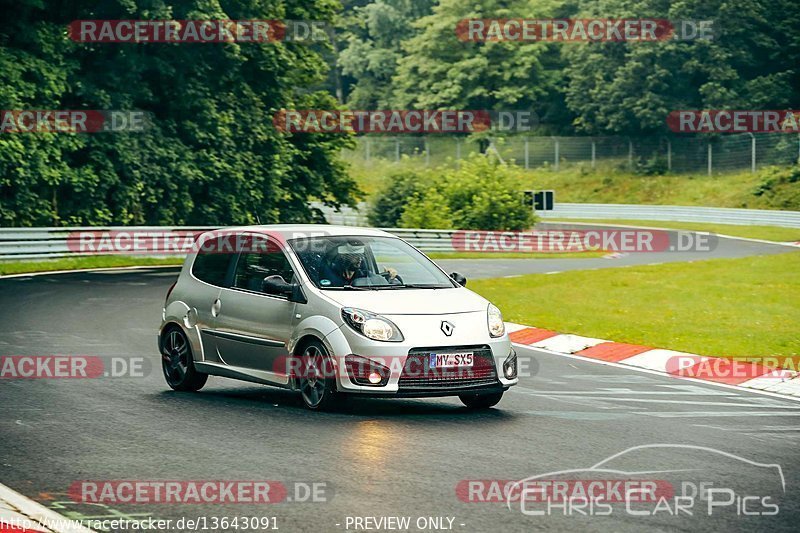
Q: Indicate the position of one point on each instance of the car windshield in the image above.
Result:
(367, 262)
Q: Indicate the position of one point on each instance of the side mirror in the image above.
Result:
(279, 287)
(276, 285)
(458, 278)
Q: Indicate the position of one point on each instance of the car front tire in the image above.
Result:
(480, 401)
(177, 362)
(317, 380)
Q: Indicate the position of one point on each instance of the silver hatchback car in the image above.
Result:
(331, 312)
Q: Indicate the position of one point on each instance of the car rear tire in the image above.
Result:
(317, 380)
(480, 401)
(177, 362)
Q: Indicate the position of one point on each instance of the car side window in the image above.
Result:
(211, 264)
(254, 267)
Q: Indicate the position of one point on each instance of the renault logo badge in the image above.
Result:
(447, 328)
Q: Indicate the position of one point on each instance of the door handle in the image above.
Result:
(215, 307)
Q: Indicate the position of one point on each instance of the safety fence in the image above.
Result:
(44, 243)
(348, 216)
(689, 154)
(51, 243)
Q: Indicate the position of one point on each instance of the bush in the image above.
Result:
(653, 166)
(485, 195)
(428, 210)
(481, 194)
(780, 187)
(387, 208)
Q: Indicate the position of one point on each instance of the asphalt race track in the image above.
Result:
(376, 458)
(717, 247)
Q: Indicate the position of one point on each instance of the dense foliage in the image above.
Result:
(579, 87)
(482, 193)
(211, 156)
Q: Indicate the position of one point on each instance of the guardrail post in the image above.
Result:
(556, 156)
(397, 149)
(630, 153)
(798, 148)
(594, 154)
(752, 153)
(669, 154)
(427, 152)
(527, 155)
(710, 158)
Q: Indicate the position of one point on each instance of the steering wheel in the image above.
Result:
(397, 278)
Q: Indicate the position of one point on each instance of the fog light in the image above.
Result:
(510, 366)
(364, 371)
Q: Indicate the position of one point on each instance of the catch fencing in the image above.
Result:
(697, 154)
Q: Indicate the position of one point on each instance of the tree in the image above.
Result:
(629, 88)
(211, 155)
(375, 35)
(439, 71)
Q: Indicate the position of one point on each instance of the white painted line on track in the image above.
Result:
(656, 373)
(101, 269)
(610, 225)
(37, 512)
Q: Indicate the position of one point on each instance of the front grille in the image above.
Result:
(418, 375)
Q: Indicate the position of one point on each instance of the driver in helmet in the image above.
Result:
(346, 263)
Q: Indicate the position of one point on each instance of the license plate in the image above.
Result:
(450, 360)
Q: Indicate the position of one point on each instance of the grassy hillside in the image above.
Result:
(769, 188)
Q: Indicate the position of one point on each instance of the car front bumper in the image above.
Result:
(395, 356)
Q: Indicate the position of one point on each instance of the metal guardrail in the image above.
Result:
(719, 215)
(44, 243)
(716, 215)
(51, 243)
(48, 243)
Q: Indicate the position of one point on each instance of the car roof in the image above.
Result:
(294, 231)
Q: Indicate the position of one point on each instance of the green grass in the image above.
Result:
(75, 263)
(769, 233)
(612, 184)
(515, 255)
(723, 307)
(371, 177)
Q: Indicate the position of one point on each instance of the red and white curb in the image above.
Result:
(19, 514)
(681, 365)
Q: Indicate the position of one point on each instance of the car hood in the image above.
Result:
(411, 301)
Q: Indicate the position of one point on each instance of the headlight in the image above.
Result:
(372, 326)
(497, 327)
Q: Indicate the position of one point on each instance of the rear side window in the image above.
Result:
(211, 264)
(253, 268)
